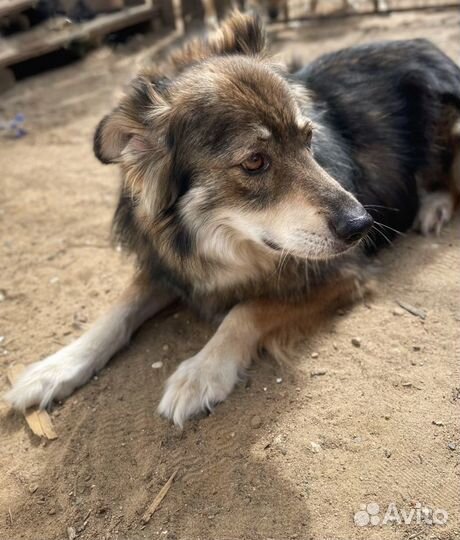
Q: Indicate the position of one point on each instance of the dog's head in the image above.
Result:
(219, 139)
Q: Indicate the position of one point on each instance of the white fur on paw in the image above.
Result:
(196, 385)
(436, 210)
(56, 377)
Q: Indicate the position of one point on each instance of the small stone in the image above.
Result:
(2, 339)
(52, 511)
(80, 317)
(279, 380)
(54, 280)
(356, 342)
(452, 446)
(2, 295)
(318, 373)
(416, 348)
(157, 365)
(165, 347)
(387, 417)
(71, 533)
(387, 453)
(314, 355)
(256, 422)
(315, 447)
(33, 488)
(398, 312)
(437, 423)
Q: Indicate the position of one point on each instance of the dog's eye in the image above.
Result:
(255, 163)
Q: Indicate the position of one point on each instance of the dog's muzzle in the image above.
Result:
(351, 226)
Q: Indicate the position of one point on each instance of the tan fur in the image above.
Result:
(256, 245)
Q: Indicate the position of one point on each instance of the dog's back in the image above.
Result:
(386, 106)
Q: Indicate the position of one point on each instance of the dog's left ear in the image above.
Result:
(239, 34)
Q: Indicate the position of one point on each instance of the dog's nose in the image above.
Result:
(351, 227)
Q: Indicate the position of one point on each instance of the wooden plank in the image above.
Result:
(38, 420)
(8, 7)
(167, 15)
(41, 40)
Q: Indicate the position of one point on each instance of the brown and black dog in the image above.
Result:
(254, 193)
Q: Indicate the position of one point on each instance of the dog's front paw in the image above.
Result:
(197, 385)
(56, 377)
(436, 210)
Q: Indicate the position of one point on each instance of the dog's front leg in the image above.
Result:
(209, 376)
(57, 376)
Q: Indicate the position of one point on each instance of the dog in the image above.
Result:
(259, 195)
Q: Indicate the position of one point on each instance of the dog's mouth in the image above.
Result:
(317, 235)
(313, 246)
(271, 244)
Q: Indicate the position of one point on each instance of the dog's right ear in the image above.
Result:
(130, 125)
(111, 137)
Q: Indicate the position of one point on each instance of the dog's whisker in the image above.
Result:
(284, 257)
(369, 241)
(390, 228)
(374, 227)
(381, 206)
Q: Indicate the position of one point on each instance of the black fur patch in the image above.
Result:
(378, 104)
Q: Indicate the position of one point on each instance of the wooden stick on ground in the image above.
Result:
(38, 420)
(157, 500)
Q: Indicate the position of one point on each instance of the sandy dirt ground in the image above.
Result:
(347, 426)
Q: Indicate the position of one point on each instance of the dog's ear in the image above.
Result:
(112, 136)
(130, 125)
(134, 135)
(239, 34)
